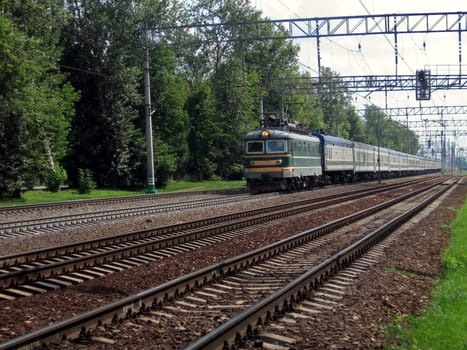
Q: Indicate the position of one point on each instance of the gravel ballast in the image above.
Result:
(398, 285)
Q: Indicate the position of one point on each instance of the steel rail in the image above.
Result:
(24, 226)
(73, 248)
(280, 302)
(143, 301)
(119, 199)
(148, 241)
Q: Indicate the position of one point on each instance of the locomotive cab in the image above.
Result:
(280, 160)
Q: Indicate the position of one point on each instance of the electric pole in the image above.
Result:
(147, 103)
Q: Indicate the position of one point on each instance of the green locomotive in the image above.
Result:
(280, 157)
(281, 160)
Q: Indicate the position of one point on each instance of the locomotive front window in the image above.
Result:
(275, 146)
(255, 147)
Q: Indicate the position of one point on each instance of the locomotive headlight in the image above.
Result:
(264, 133)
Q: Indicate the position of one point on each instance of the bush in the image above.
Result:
(85, 181)
(53, 179)
(234, 172)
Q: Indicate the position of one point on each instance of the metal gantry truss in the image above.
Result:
(452, 125)
(340, 26)
(377, 24)
(322, 27)
(404, 115)
(375, 83)
(423, 111)
(434, 118)
(317, 27)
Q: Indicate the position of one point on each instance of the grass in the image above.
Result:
(204, 185)
(443, 325)
(41, 196)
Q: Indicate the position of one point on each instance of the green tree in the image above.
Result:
(302, 104)
(356, 125)
(12, 125)
(388, 133)
(237, 112)
(101, 57)
(105, 48)
(165, 162)
(203, 133)
(36, 103)
(169, 92)
(241, 69)
(375, 124)
(335, 103)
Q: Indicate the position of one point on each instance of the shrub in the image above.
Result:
(85, 181)
(53, 179)
(235, 172)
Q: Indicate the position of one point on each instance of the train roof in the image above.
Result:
(364, 145)
(279, 134)
(332, 140)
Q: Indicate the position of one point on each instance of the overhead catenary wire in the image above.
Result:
(352, 51)
(387, 39)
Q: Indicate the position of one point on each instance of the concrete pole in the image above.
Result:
(378, 130)
(149, 148)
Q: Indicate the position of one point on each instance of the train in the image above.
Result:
(280, 157)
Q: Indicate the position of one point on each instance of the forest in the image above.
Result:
(72, 92)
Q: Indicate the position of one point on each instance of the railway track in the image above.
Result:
(73, 214)
(237, 290)
(27, 273)
(271, 319)
(33, 226)
(96, 202)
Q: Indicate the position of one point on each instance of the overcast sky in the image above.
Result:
(375, 55)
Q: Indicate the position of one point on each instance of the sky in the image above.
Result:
(375, 54)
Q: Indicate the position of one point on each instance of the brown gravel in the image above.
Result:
(401, 284)
(66, 236)
(354, 325)
(67, 302)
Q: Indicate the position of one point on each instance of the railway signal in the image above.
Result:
(422, 85)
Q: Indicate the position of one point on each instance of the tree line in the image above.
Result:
(72, 94)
